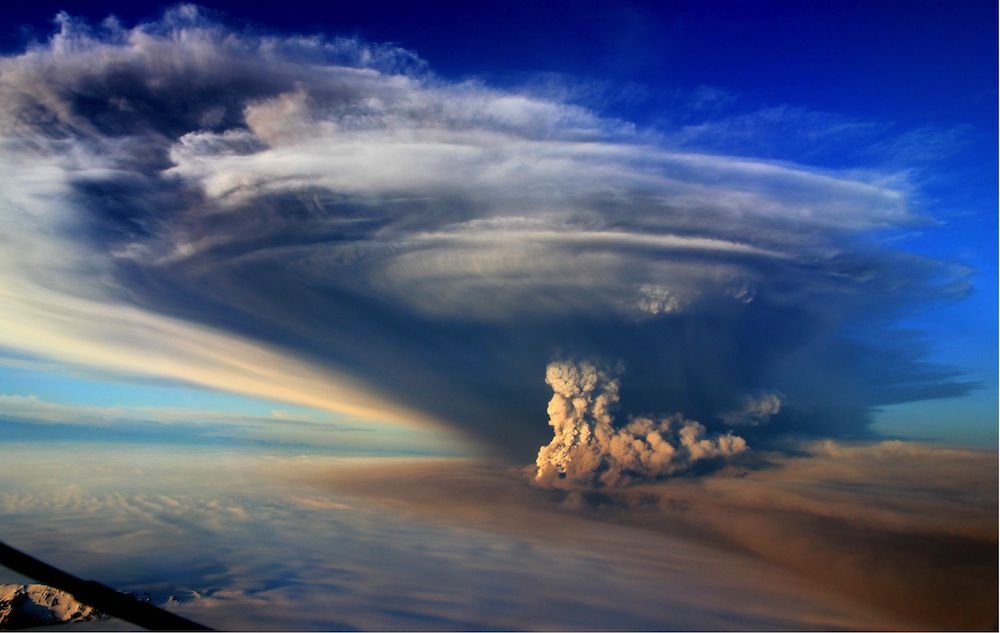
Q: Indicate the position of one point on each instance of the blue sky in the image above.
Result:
(898, 95)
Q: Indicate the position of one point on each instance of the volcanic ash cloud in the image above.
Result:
(589, 450)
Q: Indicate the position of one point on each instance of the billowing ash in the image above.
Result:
(589, 450)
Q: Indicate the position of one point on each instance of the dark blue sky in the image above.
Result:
(914, 61)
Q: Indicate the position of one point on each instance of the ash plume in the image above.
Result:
(589, 450)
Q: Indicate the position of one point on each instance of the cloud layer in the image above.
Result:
(324, 221)
(250, 541)
(31, 418)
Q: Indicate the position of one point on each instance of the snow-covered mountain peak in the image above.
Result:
(23, 606)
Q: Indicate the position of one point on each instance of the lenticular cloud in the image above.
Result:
(589, 450)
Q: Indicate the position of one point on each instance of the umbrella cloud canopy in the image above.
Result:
(326, 222)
